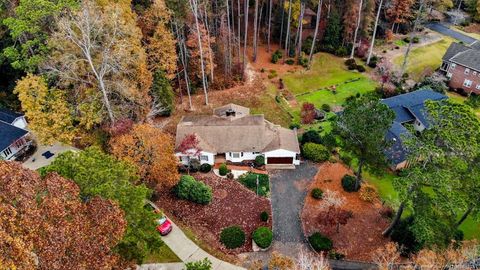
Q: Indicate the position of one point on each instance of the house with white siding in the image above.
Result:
(14, 138)
(232, 135)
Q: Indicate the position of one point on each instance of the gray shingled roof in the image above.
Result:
(250, 133)
(454, 49)
(469, 58)
(9, 134)
(8, 116)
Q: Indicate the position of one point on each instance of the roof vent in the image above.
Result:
(230, 112)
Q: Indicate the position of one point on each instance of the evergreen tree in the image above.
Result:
(333, 33)
(162, 93)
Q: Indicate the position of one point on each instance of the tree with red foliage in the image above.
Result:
(399, 12)
(189, 145)
(332, 215)
(307, 113)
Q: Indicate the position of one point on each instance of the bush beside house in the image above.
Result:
(190, 189)
(223, 170)
(315, 152)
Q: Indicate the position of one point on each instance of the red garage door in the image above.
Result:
(280, 160)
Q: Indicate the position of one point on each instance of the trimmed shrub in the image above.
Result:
(223, 170)
(264, 216)
(320, 242)
(348, 183)
(315, 152)
(232, 237)
(341, 51)
(192, 190)
(350, 62)
(416, 40)
(204, 264)
(230, 175)
(205, 168)
(290, 61)
(311, 136)
(407, 39)
(317, 193)
(361, 68)
(259, 161)
(275, 58)
(326, 107)
(368, 193)
(263, 237)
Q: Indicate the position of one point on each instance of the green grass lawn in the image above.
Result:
(327, 70)
(460, 99)
(163, 255)
(426, 57)
(400, 42)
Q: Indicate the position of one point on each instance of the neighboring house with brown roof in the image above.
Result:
(233, 135)
(461, 65)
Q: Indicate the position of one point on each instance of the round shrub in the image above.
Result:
(264, 216)
(223, 170)
(368, 193)
(326, 107)
(205, 168)
(259, 161)
(311, 136)
(348, 183)
(290, 61)
(361, 68)
(320, 242)
(232, 237)
(263, 237)
(190, 189)
(317, 193)
(416, 40)
(315, 152)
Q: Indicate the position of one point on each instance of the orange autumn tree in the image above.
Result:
(45, 225)
(151, 151)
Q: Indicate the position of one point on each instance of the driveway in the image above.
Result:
(37, 160)
(288, 191)
(445, 30)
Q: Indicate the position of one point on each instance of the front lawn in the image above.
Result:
(249, 180)
(425, 58)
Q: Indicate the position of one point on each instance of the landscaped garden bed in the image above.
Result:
(361, 233)
(232, 205)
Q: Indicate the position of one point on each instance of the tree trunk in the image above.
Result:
(370, 51)
(239, 23)
(229, 46)
(283, 19)
(245, 40)
(329, 8)
(358, 178)
(210, 55)
(269, 24)
(255, 28)
(412, 35)
(395, 220)
(319, 13)
(352, 54)
(464, 217)
(193, 5)
(287, 37)
(299, 48)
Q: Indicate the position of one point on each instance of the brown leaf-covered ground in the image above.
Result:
(232, 204)
(362, 235)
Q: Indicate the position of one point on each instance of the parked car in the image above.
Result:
(164, 226)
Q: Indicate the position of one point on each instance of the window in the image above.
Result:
(467, 83)
(204, 157)
(256, 153)
(235, 154)
(467, 71)
(7, 152)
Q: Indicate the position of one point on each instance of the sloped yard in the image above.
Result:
(232, 204)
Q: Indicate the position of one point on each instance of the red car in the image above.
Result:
(164, 226)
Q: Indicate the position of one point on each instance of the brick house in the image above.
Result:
(461, 65)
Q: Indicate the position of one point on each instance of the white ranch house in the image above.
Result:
(233, 135)
(14, 138)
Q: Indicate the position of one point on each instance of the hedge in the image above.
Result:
(263, 237)
(190, 189)
(315, 152)
(320, 242)
(205, 168)
(232, 237)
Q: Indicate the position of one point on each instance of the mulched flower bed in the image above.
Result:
(362, 235)
(232, 204)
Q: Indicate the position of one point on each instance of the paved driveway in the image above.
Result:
(445, 30)
(288, 190)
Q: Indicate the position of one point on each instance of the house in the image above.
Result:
(461, 64)
(409, 108)
(235, 136)
(14, 138)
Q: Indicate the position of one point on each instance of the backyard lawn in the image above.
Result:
(426, 57)
(460, 99)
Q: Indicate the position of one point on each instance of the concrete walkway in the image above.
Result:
(187, 251)
(37, 161)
